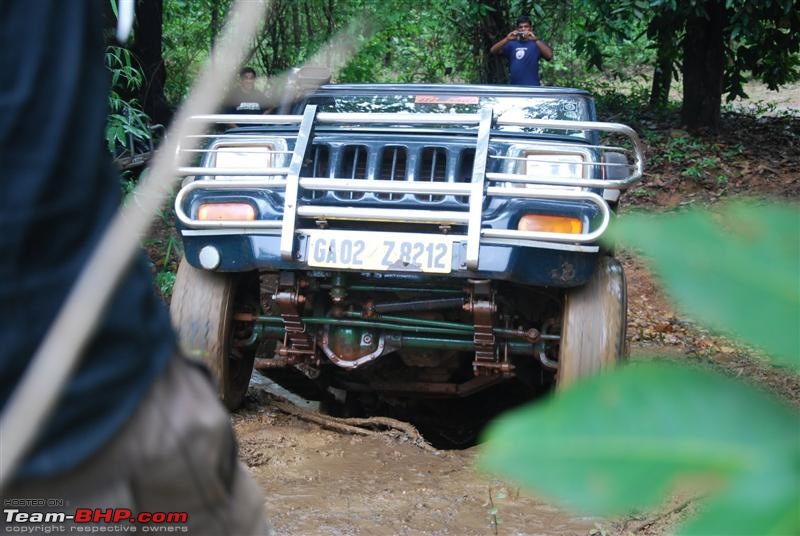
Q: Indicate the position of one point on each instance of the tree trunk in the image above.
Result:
(309, 20)
(296, 27)
(665, 58)
(662, 81)
(488, 30)
(274, 63)
(703, 67)
(330, 9)
(147, 49)
(215, 23)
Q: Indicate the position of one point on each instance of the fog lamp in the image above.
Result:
(226, 212)
(550, 224)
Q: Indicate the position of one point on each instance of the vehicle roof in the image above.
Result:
(470, 89)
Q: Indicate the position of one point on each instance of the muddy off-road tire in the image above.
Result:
(593, 325)
(202, 310)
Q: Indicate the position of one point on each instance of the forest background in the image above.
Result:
(700, 52)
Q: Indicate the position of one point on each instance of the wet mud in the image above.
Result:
(323, 482)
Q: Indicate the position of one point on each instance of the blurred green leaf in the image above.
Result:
(619, 441)
(764, 503)
(737, 271)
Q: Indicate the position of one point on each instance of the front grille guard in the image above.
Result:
(483, 184)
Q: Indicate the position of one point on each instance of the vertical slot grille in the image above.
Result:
(354, 166)
(433, 168)
(316, 164)
(393, 168)
(466, 161)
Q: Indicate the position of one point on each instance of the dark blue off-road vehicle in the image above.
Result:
(407, 241)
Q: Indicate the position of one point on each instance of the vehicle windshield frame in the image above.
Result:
(570, 107)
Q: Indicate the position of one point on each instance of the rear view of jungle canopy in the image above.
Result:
(711, 47)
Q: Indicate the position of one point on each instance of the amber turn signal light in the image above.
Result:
(226, 212)
(550, 224)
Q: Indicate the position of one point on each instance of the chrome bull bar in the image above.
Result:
(441, 217)
(289, 180)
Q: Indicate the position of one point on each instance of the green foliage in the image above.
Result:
(698, 169)
(762, 39)
(734, 150)
(417, 41)
(607, 47)
(171, 244)
(128, 185)
(604, 29)
(188, 34)
(624, 102)
(641, 193)
(736, 271)
(683, 149)
(127, 122)
(165, 281)
(165, 277)
(694, 157)
(620, 441)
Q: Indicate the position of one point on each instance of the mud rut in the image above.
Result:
(320, 481)
(381, 474)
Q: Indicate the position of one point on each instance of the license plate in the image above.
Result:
(380, 251)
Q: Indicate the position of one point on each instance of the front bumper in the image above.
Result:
(527, 265)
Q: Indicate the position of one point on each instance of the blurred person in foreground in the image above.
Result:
(137, 427)
(524, 49)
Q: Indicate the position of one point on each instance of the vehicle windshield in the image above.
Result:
(562, 107)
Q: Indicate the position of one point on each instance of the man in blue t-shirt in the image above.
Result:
(523, 49)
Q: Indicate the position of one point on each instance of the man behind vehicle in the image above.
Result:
(245, 98)
(523, 49)
(137, 426)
